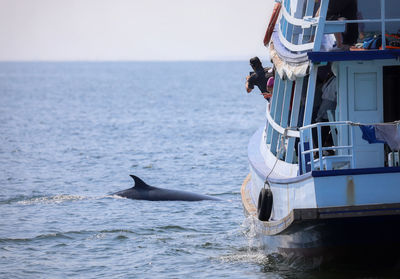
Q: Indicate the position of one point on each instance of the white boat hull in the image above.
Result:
(342, 210)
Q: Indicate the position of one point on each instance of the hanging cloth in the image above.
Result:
(389, 134)
(382, 133)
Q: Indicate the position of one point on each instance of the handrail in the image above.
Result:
(327, 124)
(327, 148)
(289, 131)
(294, 47)
(361, 20)
(350, 123)
(307, 137)
(306, 22)
(290, 22)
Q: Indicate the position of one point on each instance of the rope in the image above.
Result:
(397, 122)
(266, 179)
(281, 148)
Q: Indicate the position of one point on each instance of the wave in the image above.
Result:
(69, 235)
(174, 228)
(249, 256)
(24, 200)
(39, 237)
(52, 199)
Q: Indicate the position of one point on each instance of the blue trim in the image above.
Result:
(319, 56)
(355, 171)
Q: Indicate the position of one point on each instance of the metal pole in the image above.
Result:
(383, 25)
(319, 146)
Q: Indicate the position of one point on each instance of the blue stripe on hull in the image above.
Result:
(355, 171)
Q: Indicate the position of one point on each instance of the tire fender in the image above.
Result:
(264, 206)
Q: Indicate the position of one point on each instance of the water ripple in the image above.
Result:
(52, 199)
(72, 132)
(70, 235)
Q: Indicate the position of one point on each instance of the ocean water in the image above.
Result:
(70, 135)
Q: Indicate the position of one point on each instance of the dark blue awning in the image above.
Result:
(319, 56)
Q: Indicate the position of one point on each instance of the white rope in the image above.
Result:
(281, 148)
(397, 122)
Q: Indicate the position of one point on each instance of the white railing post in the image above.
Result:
(311, 148)
(353, 161)
(303, 157)
(319, 146)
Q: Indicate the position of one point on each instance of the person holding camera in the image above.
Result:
(259, 78)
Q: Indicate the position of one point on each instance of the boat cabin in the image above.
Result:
(366, 78)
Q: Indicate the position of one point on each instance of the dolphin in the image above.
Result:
(142, 191)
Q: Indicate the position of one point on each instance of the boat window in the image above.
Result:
(388, 21)
(369, 29)
(369, 9)
(393, 33)
(299, 21)
(392, 9)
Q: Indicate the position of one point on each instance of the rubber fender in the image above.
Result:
(264, 206)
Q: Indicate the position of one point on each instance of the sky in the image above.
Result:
(133, 30)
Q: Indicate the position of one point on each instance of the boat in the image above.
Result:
(329, 187)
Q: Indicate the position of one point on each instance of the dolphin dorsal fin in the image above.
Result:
(138, 182)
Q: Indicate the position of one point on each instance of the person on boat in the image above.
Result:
(329, 93)
(270, 88)
(327, 106)
(341, 10)
(259, 77)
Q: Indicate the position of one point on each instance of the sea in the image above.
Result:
(71, 133)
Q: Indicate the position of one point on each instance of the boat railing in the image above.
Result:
(297, 27)
(303, 23)
(316, 155)
(280, 137)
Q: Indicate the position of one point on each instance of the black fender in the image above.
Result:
(264, 206)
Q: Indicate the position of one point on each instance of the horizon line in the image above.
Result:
(116, 61)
